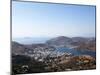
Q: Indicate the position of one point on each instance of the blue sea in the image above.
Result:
(31, 40)
(77, 52)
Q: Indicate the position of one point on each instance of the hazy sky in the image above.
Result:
(31, 19)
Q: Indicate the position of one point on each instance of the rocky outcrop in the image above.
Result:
(83, 62)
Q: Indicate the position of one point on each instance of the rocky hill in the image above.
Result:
(18, 49)
(74, 42)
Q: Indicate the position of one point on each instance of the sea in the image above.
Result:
(77, 52)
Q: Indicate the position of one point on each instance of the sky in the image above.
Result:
(31, 19)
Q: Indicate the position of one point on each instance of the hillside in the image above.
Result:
(74, 42)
